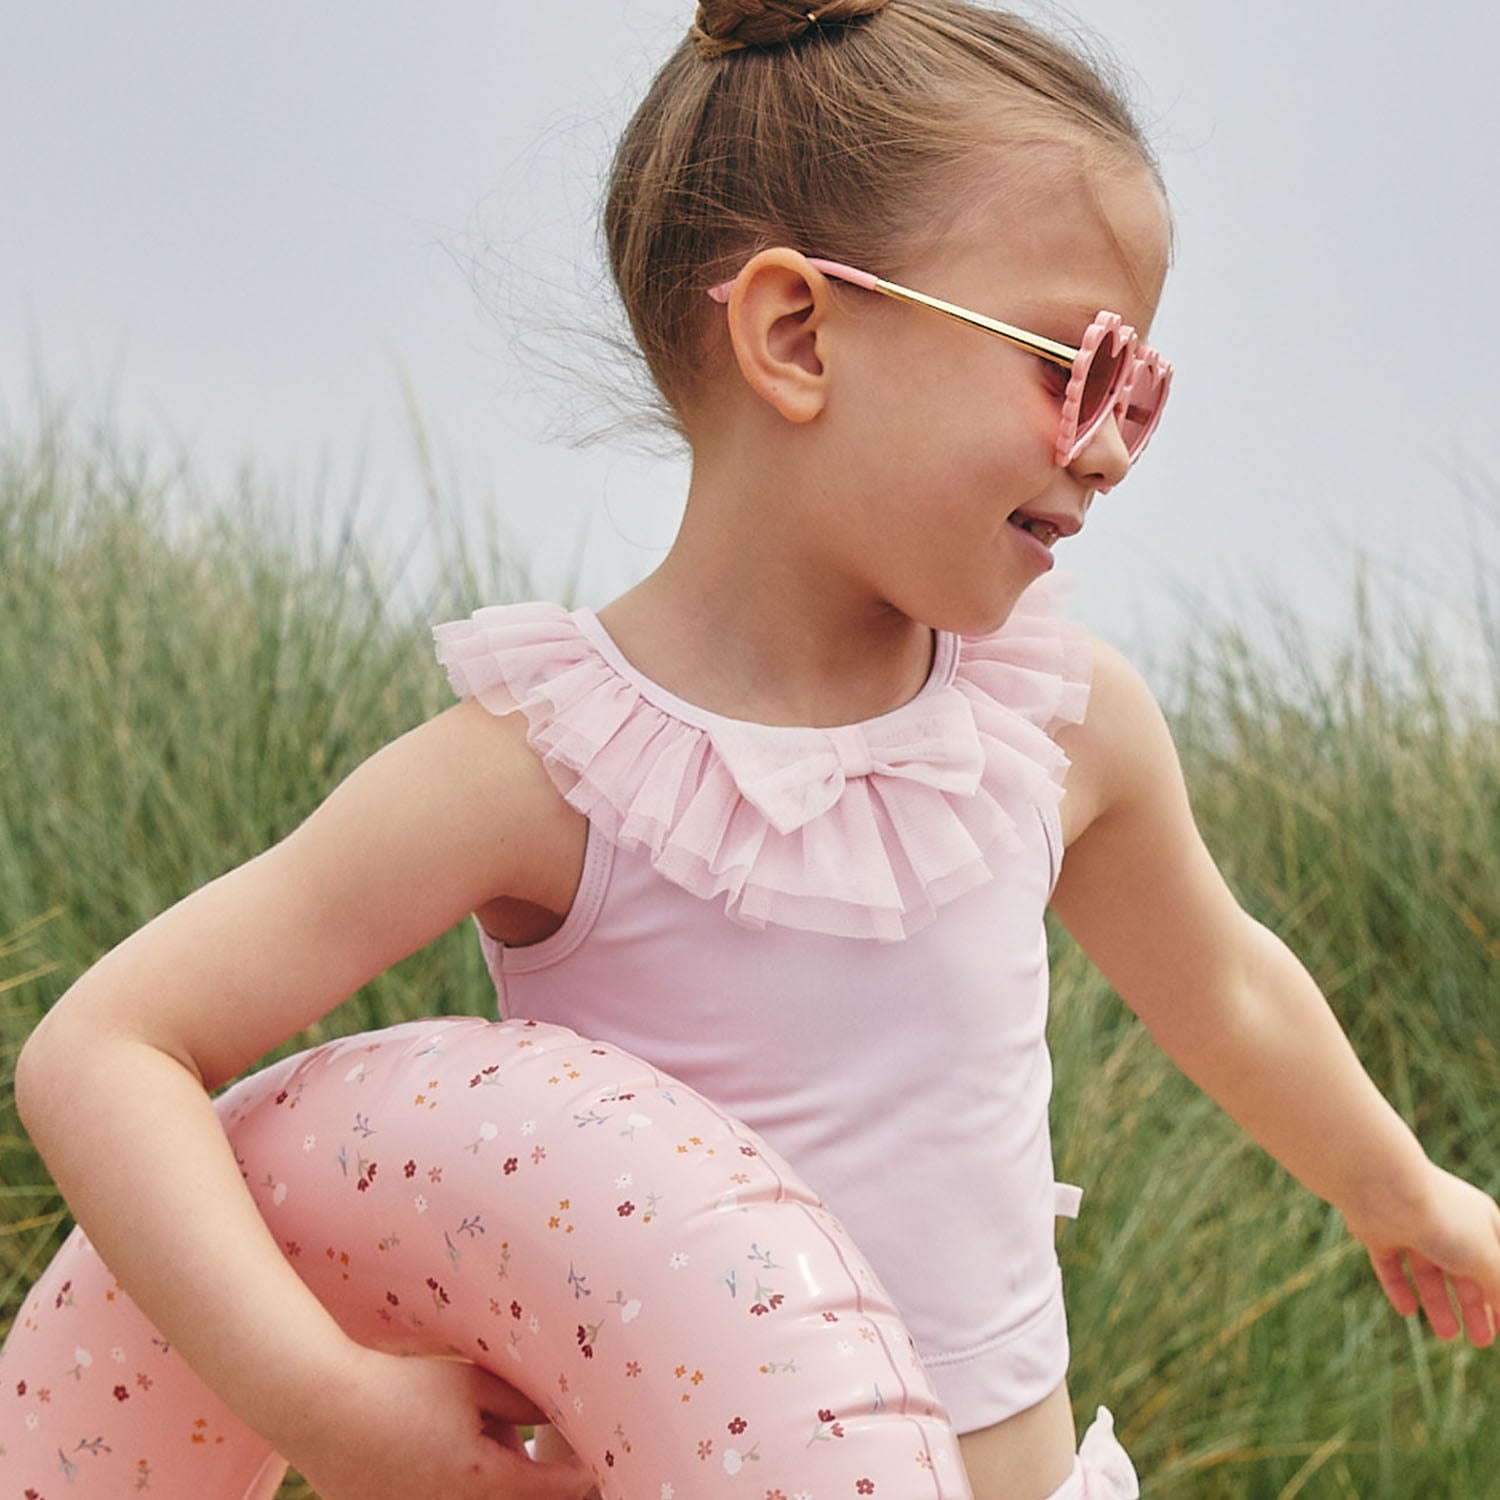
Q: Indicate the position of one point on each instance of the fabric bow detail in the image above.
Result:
(1108, 1472)
(793, 776)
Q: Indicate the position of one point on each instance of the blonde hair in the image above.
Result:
(838, 129)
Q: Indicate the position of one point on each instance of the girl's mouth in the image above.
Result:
(1044, 531)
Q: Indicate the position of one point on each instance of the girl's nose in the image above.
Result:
(1103, 461)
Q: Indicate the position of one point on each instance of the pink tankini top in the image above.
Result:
(836, 935)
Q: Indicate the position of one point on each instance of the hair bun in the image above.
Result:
(730, 25)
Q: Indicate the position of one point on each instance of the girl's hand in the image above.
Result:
(427, 1429)
(1442, 1250)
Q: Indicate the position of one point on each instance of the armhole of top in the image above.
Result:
(1051, 821)
(588, 901)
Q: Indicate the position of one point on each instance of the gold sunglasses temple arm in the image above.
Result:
(1049, 349)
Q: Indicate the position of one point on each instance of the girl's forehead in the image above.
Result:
(1067, 241)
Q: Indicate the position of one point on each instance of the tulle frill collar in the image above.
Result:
(863, 830)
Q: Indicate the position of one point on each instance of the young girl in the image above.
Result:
(784, 818)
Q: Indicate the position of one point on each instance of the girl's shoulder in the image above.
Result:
(1120, 752)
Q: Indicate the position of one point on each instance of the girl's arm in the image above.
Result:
(114, 1088)
(1237, 1012)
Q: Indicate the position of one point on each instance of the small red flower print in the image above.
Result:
(483, 1345)
(705, 1449)
(866, 1487)
(633, 1369)
(775, 1495)
(434, 1174)
(281, 1097)
(122, 1393)
(609, 1459)
(759, 1310)
(748, 1151)
(20, 1388)
(393, 1299)
(625, 1209)
(510, 1165)
(738, 1426)
(824, 1415)
(538, 1155)
(830, 1317)
(410, 1169)
(515, 1309)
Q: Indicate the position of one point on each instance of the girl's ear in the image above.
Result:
(777, 308)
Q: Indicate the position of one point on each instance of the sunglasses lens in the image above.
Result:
(1099, 384)
(1141, 402)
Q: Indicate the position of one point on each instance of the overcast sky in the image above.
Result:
(248, 227)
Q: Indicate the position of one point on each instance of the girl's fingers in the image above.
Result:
(1432, 1289)
(1478, 1315)
(536, 1480)
(1391, 1273)
(503, 1404)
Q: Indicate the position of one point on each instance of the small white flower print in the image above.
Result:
(420, 1204)
(668, 1493)
(83, 1357)
(676, 1261)
(32, 1421)
(309, 1143)
(534, 1324)
(844, 1347)
(528, 1127)
(623, 1181)
(118, 1355)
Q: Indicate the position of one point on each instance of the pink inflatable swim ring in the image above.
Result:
(595, 1233)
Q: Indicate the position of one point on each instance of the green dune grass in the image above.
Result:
(180, 684)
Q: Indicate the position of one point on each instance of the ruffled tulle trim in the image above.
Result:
(859, 831)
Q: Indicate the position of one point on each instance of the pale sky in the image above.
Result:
(246, 227)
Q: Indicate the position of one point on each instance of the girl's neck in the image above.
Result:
(740, 622)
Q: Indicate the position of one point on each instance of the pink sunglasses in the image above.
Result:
(1110, 373)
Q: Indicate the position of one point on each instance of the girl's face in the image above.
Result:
(952, 431)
